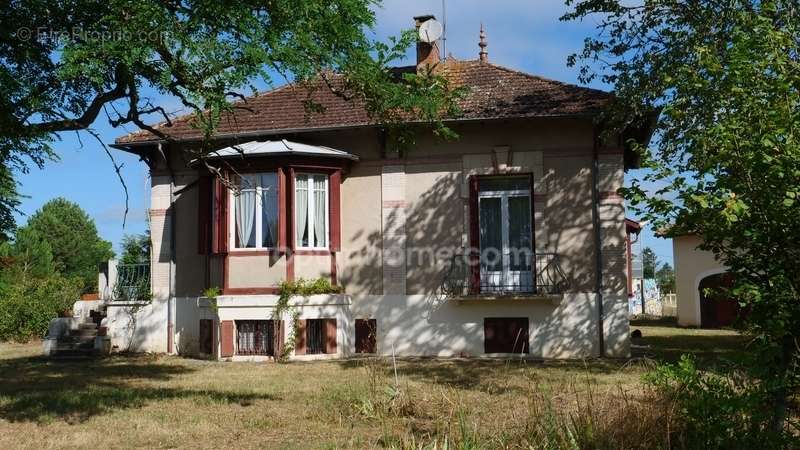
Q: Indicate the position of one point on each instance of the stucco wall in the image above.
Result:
(429, 202)
(691, 266)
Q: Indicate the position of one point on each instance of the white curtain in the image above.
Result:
(319, 211)
(301, 205)
(269, 209)
(246, 212)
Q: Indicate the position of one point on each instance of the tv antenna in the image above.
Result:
(444, 28)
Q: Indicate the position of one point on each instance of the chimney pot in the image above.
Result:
(427, 52)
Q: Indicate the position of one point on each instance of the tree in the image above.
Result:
(64, 65)
(726, 78)
(665, 279)
(32, 256)
(72, 236)
(649, 262)
(136, 248)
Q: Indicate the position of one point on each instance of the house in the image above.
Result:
(509, 240)
(696, 271)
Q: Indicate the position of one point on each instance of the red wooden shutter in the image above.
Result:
(330, 336)
(226, 338)
(219, 243)
(474, 237)
(204, 185)
(336, 205)
(290, 210)
(282, 210)
(300, 338)
(278, 338)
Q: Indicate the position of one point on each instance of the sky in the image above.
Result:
(522, 34)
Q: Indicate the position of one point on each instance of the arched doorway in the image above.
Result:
(716, 308)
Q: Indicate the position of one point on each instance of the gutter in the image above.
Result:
(597, 242)
(128, 146)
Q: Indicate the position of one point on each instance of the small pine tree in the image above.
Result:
(72, 235)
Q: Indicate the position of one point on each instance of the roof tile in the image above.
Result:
(493, 92)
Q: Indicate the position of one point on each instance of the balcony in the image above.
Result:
(539, 277)
(125, 282)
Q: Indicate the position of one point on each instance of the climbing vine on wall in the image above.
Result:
(303, 288)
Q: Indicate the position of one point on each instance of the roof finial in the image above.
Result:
(484, 55)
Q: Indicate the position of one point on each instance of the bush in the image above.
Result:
(717, 411)
(27, 308)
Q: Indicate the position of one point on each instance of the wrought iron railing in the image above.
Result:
(132, 283)
(542, 274)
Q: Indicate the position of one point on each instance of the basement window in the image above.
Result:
(315, 336)
(255, 337)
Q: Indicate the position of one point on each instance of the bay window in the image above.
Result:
(311, 211)
(255, 211)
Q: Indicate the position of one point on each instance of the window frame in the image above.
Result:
(258, 214)
(310, 211)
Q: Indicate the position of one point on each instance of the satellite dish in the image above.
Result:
(430, 31)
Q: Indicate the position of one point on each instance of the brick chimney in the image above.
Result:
(427, 53)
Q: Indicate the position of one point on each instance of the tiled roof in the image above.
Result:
(493, 92)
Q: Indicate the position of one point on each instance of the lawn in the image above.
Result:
(163, 401)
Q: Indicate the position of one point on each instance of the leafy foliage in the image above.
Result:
(72, 236)
(665, 278)
(717, 411)
(30, 256)
(649, 262)
(726, 161)
(65, 64)
(27, 306)
(135, 248)
(302, 288)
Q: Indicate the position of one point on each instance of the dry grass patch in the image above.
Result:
(158, 401)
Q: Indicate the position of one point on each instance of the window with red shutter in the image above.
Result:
(366, 335)
(226, 338)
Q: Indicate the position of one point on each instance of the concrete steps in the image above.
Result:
(79, 342)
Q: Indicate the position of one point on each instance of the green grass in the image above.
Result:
(160, 401)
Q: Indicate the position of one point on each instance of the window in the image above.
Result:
(311, 211)
(505, 335)
(366, 331)
(255, 337)
(255, 211)
(505, 234)
(316, 336)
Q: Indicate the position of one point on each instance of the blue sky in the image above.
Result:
(522, 34)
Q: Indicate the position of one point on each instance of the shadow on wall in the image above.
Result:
(435, 221)
(38, 390)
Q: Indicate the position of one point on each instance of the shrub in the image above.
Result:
(27, 308)
(718, 411)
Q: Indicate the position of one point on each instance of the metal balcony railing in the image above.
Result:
(132, 283)
(540, 275)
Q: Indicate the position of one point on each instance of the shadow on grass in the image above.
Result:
(40, 390)
(487, 375)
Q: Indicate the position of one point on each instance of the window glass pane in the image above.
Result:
(519, 232)
(320, 211)
(245, 212)
(301, 210)
(504, 184)
(491, 239)
(269, 209)
(314, 337)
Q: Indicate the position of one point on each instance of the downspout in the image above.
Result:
(172, 251)
(597, 241)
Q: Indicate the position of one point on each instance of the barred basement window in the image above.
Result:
(255, 337)
(315, 336)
